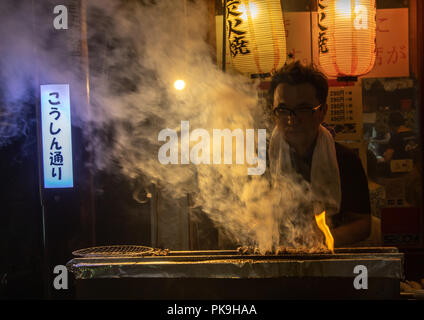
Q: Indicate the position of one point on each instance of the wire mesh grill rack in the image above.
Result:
(115, 250)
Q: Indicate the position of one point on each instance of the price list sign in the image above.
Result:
(345, 112)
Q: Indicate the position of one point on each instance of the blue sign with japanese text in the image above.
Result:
(56, 136)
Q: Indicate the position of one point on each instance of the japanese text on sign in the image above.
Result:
(322, 33)
(56, 136)
(345, 112)
(236, 37)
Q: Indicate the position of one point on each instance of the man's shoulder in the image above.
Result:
(344, 152)
(347, 159)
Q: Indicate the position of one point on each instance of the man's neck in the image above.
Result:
(304, 150)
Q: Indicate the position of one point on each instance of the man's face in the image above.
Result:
(301, 128)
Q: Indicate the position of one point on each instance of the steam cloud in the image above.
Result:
(148, 46)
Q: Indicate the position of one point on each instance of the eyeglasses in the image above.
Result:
(281, 111)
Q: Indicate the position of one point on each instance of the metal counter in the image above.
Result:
(229, 275)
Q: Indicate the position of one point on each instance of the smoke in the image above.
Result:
(137, 51)
(15, 66)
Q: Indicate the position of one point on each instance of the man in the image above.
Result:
(403, 145)
(300, 143)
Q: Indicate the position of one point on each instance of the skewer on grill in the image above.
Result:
(280, 250)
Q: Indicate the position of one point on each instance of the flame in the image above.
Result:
(329, 240)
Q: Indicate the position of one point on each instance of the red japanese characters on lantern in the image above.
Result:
(346, 37)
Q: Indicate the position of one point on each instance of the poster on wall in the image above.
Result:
(298, 26)
(344, 112)
(392, 47)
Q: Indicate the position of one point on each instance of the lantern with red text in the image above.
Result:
(346, 37)
(256, 35)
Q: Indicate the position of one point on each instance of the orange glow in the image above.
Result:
(256, 36)
(346, 37)
(253, 10)
(322, 225)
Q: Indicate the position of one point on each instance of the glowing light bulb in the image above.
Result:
(253, 10)
(343, 9)
(179, 84)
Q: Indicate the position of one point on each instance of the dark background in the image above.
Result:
(117, 217)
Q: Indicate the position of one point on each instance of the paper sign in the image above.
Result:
(392, 46)
(298, 36)
(344, 112)
(56, 136)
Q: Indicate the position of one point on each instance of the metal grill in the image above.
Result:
(228, 274)
(115, 251)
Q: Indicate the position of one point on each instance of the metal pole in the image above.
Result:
(45, 260)
(312, 42)
(86, 75)
(224, 25)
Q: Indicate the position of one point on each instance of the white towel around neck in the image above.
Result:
(325, 176)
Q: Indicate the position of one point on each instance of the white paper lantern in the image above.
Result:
(346, 36)
(256, 35)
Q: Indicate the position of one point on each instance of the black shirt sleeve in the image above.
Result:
(354, 185)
